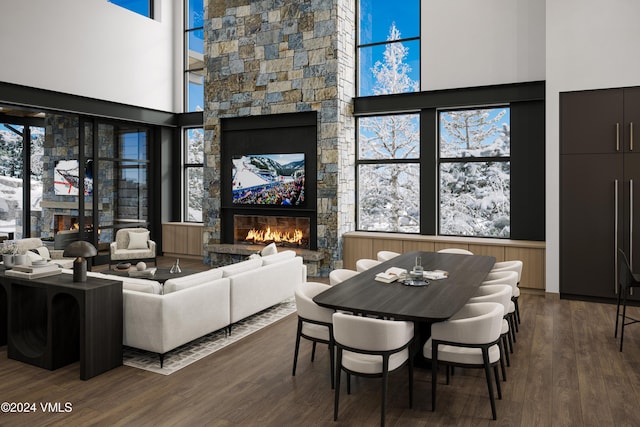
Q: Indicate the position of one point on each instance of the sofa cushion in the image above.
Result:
(270, 249)
(180, 283)
(279, 257)
(240, 267)
(138, 240)
(141, 285)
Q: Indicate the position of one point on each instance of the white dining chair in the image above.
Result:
(315, 323)
(339, 275)
(502, 295)
(506, 278)
(458, 251)
(512, 265)
(371, 348)
(386, 255)
(364, 264)
(468, 339)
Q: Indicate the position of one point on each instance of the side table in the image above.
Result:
(53, 321)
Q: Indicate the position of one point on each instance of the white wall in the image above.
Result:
(591, 44)
(95, 49)
(467, 43)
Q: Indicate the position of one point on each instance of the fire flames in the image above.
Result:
(267, 235)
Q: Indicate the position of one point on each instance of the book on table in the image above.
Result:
(33, 272)
(391, 274)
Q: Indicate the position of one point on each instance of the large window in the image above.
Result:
(142, 7)
(474, 172)
(193, 173)
(194, 56)
(388, 47)
(389, 173)
(21, 158)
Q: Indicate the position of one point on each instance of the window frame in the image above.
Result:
(187, 68)
(186, 168)
(526, 101)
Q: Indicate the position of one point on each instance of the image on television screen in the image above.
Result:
(66, 181)
(268, 179)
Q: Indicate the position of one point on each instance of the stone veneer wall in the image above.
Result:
(285, 56)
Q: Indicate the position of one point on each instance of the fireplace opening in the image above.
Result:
(284, 231)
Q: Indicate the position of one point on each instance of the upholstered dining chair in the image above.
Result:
(455, 251)
(627, 281)
(502, 295)
(512, 265)
(314, 322)
(132, 244)
(469, 339)
(371, 348)
(386, 255)
(339, 275)
(506, 278)
(364, 264)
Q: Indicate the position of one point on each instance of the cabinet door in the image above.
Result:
(591, 121)
(631, 131)
(588, 223)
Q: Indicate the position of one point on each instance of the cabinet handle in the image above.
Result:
(631, 226)
(615, 237)
(631, 136)
(617, 136)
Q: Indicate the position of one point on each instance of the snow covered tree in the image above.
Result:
(475, 195)
(389, 193)
(195, 191)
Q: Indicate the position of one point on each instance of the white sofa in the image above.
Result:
(161, 318)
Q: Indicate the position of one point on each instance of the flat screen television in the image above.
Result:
(268, 179)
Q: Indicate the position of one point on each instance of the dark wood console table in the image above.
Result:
(53, 321)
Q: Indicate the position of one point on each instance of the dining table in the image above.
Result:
(436, 300)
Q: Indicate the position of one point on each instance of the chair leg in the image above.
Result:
(410, 381)
(615, 335)
(338, 371)
(434, 374)
(505, 345)
(313, 351)
(504, 371)
(332, 364)
(385, 385)
(624, 316)
(295, 353)
(515, 302)
(487, 372)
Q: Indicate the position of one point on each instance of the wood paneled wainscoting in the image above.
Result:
(182, 239)
(360, 244)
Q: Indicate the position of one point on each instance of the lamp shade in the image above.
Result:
(80, 248)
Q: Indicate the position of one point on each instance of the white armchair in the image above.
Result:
(132, 244)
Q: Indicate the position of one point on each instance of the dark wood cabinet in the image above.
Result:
(600, 189)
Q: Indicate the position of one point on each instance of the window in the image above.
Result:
(474, 172)
(142, 7)
(388, 47)
(193, 174)
(389, 173)
(194, 56)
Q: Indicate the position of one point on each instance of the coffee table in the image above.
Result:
(162, 274)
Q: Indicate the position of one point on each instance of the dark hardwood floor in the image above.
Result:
(566, 371)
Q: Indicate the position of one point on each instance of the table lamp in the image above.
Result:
(81, 250)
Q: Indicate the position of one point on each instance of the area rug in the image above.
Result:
(208, 344)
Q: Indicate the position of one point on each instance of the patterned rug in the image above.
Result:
(208, 344)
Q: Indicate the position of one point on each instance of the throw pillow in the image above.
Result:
(270, 249)
(138, 240)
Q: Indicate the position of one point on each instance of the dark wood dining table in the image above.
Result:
(437, 301)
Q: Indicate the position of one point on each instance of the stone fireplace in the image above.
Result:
(267, 60)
